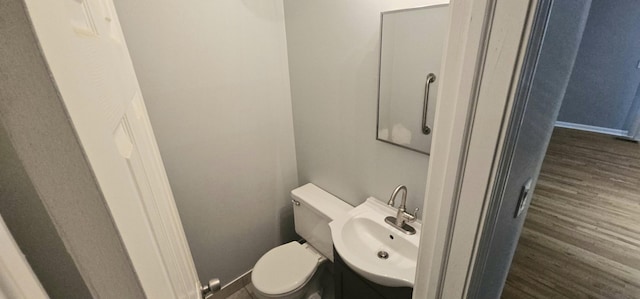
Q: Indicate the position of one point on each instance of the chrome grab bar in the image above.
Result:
(430, 79)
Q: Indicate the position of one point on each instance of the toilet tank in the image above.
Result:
(312, 215)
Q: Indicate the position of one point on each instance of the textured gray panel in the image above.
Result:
(604, 81)
(31, 227)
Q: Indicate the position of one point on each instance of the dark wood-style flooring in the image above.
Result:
(581, 237)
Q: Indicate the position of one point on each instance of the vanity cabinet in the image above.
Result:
(350, 285)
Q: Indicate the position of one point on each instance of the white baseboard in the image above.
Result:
(232, 287)
(608, 131)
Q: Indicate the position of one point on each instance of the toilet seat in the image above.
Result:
(284, 269)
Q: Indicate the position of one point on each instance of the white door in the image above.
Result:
(86, 52)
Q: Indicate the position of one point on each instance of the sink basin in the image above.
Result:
(374, 249)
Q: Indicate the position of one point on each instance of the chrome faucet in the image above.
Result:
(402, 217)
(392, 200)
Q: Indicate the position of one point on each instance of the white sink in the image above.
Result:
(362, 235)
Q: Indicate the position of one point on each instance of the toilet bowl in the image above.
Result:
(294, 270)
(289, 271)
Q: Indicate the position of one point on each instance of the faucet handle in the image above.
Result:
(412, 217)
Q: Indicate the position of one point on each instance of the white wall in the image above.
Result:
(215, 79)
(333, 50)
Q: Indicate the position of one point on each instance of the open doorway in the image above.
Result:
(581, 236)
(571, 222)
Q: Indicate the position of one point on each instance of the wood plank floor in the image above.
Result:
(581, 238)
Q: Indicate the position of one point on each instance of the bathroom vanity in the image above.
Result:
(350, 285)
(373, 259)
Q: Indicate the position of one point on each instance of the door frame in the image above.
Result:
(482, 64)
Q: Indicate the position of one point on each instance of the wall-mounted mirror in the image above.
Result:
(411, 45)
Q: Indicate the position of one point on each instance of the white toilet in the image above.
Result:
(293, 270)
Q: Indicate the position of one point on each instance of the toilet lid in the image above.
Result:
(284, 269)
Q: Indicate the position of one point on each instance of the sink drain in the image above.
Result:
(383, 255)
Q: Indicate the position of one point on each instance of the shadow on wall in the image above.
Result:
(285, 218)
